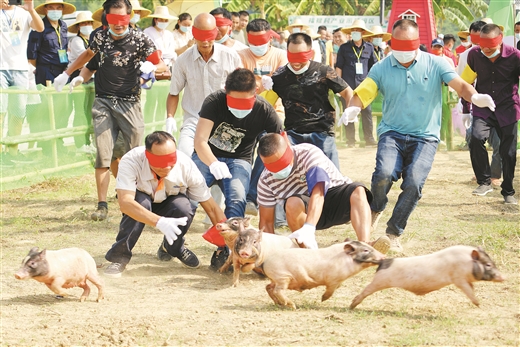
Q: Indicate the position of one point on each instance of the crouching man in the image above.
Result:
(314, 193)
(154, 186)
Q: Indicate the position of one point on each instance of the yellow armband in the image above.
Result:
(366, 91)
(270, 96)
(468, 74)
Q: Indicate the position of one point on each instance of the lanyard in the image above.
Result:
(85, 41)
(360, 52)
(378, 55)
(9, 19)
(58, 33)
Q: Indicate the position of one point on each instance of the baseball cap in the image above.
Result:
(437, 42)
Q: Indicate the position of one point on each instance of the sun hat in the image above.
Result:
(162, 13)
(67, 8)
(378, 30)
(137, 7)
(312, 34)
(83, 16)
(297, 23)
(357, 24)
(490, 21)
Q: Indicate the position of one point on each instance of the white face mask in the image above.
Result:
(377, 41)
(223, 39)
(184, 29)
(135, 18)
(296, 30)
(54, 14)
(85, 30)
(356, 35)
(162, 25)
(298, 72)
(259, 51)
(517, 36)
(466, 44)
(282, 174)
(495, 53)
(404, 56)
(239, 113)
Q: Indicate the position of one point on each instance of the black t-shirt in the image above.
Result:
(233, 137)
(305, 97)
(119, 62)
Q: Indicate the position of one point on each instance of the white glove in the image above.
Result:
(76, 81)
(267, 82)
(171, 125)
(219, 170)
(466, 120)
(170, 227)
(147, 67)
(349, 115)
(459, 107)
(306, 236)
(483, 100)
(60, 81)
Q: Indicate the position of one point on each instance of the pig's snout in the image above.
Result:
(244, 254)
(21, 275)
(499, 278)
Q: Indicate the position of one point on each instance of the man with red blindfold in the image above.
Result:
(314, 194)
(224, 22)
(125, 55)
(409, 132)
(496, 68)
(230, 122)
(154, 187)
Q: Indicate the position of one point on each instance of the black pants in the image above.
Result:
(479, 157)
(130, 230)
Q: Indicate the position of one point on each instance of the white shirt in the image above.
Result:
(76, 46)
(199, 78)
(15, 27)
(238, 46)
(181, 39)
(185, 178)
(164, 42)
(463, 60)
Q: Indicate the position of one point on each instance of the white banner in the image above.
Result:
(333, 22)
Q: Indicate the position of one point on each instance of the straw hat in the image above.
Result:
(67, 8)
(83, 16)
(99, 13)
(312, 34)
(137, 7)
(378, 30)
(297, 23)
(490, 21)
(358, 24)
(464, 34)
(162, 13)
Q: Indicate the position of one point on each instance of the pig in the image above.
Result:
(302, 268)
(249, 246)
(62, 269)
(458, 265)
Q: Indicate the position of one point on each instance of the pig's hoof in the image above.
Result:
(82, 299)
(100, 299)
(59, 297)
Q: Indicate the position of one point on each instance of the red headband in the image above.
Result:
(239, 103)
(258, 40)
(204, 35)
(281, 163)
(475, 38)
(491, 43)
(118, 19)
(405, 45)
(161, 161)
(221, 22)
(301, 57)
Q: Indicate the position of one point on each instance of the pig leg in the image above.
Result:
(57, 286)
(370, 289)
(467, 288)
(270, 288)
(278, 291)
(97, 282)
(236, 270)
(329, 291)
(248, 267)
(86, 291)
(226, 265)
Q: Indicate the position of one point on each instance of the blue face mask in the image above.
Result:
(497, 52)
(239, 113)
(54, 14)
(282, 174)
(335, 48)
(183, 28)
(119, 35)
(259, 51)
(135, 18)
(223, 39)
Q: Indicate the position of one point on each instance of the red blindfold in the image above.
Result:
(475, 38)
(221, 22)
(301, 57)
(240, 104)
(204, 35)
(258, 40)
(405, 45)
(118, 19)
(284, 161)
(161, 161)
(491, 43)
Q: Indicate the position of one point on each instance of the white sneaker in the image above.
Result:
(395, 244)
(251, 208)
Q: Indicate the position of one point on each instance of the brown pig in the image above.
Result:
(62, 269)
(301, 268)
(458, 265)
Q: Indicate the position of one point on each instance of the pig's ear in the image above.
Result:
(349, 248)
(347, 240)
(246, 221)
(475, 255)
(43, 253)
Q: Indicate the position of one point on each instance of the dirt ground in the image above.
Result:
(158, 304)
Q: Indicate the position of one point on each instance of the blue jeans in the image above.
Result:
(406, 157)
(234, 188)
(324, 141)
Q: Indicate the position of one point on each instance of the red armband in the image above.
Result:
(212, 235)
(155, 57)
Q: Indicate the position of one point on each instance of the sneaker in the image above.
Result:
(115, 270)
(482, 190)
(251, 208)
(219, 258)
(382, 244)
(162, 253)
(100, 214)
(510, 200)
(189, 259)
(375, 219)
(395, 245)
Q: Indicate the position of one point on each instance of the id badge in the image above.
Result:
(63, 56)
(359, 68)
(15, 39)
